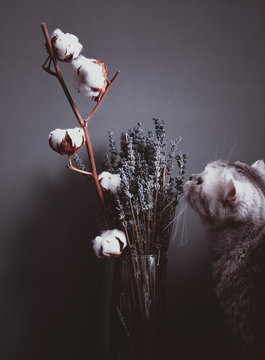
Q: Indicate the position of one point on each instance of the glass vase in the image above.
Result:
(141, 306)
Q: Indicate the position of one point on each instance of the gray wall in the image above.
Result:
(199, 65)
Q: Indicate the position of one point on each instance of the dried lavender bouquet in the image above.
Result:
(143, 183)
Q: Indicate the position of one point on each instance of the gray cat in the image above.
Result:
(230, 199)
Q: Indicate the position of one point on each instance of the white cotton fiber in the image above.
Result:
(110, 243)
(77, 136)
(89, 76)
(110, 182)
(66, 141)
(67, 46)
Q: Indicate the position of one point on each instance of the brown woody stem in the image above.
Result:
(94, 172)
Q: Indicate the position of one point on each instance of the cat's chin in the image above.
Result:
(189, 192)
(186, 190)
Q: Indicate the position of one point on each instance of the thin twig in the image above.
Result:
(148, 229)
(49, 71)
(136, 227)
(102, 97)
(140, 234)
(125, 327)
(48, 67)
(145, 229)
(154, 219)
(158, 259)
(45, 62)
(127, 235)
(71, 167)
(164, 178)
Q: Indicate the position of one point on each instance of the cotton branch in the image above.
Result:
(83, 123)
(59, 74)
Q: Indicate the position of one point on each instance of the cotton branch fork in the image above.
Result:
(83, 123)
(71, 167)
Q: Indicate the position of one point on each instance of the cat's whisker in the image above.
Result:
(182, 232)
(186, 233)
(179, 227)
(211, 156)
(232, 149)
(222, 154)
(177, 220)
(216, 157)
(184, 228)
(176, 217)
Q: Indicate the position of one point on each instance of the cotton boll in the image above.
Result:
(56, 137)
(110, 247)
(118, 234)
(110, 244)
(67, 141)
(97, 242)
(110, 182)
(85, 89)
(90, 76)
(66, 46)
(57, 33)
(90, 70)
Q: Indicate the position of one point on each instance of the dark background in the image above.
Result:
(199, 65)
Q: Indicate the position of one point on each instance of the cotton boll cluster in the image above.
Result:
(66, 46)
(90, 77)
(67, 141)
(110, 243)
(110, 182)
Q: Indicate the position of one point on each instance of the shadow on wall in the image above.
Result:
(50, 297)
(196, 327)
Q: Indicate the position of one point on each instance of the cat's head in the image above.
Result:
(228, 191)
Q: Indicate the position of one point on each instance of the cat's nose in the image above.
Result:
(194, 177)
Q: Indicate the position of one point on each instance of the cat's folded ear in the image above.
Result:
(230, 191)
(260, 166)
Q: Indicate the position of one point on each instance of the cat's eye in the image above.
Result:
(200, 181)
